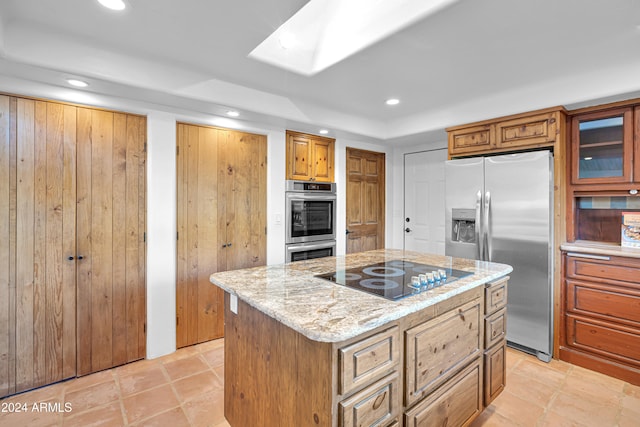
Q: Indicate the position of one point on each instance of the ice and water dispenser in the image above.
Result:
(464, 225)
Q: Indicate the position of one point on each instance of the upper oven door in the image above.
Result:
(310, 217)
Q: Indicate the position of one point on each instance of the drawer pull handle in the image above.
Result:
(460, 312)
(589, 256)
(379, 400)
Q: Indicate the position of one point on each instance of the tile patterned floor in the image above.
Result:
(186, 389)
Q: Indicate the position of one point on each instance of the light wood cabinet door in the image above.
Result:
(110, 234)
(310, 157)
(376, 405)
(495, 372)
(530, 131)
(456, 403)
(221, 221)
(438, 348)
(299, 157)
(472, 139)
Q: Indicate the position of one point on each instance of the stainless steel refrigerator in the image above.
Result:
(500, 209)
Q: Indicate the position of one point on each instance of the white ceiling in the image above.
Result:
(474, 60)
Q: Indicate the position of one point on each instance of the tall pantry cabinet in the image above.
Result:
(221, 221)
(72, 254)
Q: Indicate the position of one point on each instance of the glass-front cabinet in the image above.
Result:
(602, 147)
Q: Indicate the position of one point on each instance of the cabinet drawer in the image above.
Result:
(610, 302)
(605, 339)
(437, 349)
(495, 295)
(539, 129)
(472, 139)
(495, 328)
(456, 403)
(495, 378)
(609, 270)
(368, 359)
(376, 405)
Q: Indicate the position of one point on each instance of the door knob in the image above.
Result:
(81, 257)
(407, 219)
(408, 230)
(70, 258)
(347, 232)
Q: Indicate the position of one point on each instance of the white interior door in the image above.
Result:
(424, 201)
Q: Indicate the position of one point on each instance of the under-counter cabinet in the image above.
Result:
(72, 246)
(310, 157)
(495, 339)
(601, 314)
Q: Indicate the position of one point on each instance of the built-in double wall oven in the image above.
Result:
(310, 217)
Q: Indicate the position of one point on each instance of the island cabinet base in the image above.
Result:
(424, 369)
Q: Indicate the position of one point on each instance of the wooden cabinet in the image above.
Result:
(366, 360)
(439, 348)
(495, 339)
(376, 405)
(310, 157)
(602, 147)
(523, 131)
(456, 403)
(601, 314)
(424, 369)
(221, 221)
(72, 251)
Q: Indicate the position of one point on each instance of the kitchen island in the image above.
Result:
(304, 351)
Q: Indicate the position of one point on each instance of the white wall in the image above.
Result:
(161, 192)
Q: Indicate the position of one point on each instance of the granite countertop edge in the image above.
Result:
(335, 317)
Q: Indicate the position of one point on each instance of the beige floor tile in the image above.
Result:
(186, 367)
(181, 353)
(490, 418)
(553, 419)
(149, 403)
(90, 397)
(583, 411)
(191, 387)
(538, 372)
(172, 418)
(535, 392)
(214, 357)
(210, 345)
(584, 388)
(518, 410)
(207, 409)
(88, 380)
(141, 380)
(597, 378)
(104, 416)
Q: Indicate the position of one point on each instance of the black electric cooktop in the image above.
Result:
(391, 279)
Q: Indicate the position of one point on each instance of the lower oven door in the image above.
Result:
(302, 251)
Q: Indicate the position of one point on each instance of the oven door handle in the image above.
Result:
(312, 245)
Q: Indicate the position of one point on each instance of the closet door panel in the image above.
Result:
(135, 223)
(7, 367)
(110, 238)
(45, 236)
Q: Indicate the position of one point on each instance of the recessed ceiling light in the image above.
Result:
(324, 131)
(392, 101)
(232, 113)
(77, 83)
(113, 4)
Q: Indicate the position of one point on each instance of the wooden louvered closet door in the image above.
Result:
(221, 220)
(71, 185)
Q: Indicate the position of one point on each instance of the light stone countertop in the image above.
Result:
(327, 312)
(596, 248)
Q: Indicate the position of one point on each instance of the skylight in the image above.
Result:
(325, 32)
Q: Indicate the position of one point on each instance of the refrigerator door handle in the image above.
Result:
(487, 225)
(479, 242)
